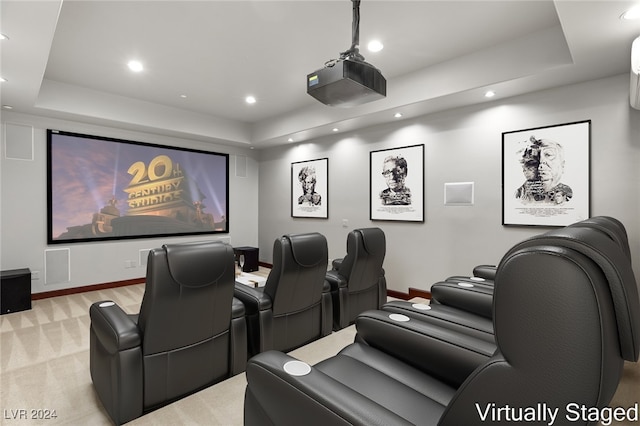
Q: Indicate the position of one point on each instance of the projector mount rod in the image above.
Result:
(354, 51)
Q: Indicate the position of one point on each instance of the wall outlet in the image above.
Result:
(35, 275)
(129, 263)
(345, 223)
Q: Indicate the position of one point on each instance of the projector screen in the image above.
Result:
(109, 189)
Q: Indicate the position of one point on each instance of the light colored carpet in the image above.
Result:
(44, 365)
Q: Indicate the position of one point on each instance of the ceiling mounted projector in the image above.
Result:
(348, 81)
(634, 93)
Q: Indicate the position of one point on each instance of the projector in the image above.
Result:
(347, 83)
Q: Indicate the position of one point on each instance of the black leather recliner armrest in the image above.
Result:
(339, 292)
(474, 298)
(275, 396)
(259, 317)
(446, 354)
(382, 288)
(335, 280)
(115, 330)
(445, 316)
(326, 287)
(116, 361)
(488, 272)
(336, 263)
(238, 360)
(254, 300)
(327, 309)
(237, 308)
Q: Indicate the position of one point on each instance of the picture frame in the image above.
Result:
(310, 189)
(396, 184)
(546, 175)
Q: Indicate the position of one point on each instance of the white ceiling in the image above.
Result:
(67, 59)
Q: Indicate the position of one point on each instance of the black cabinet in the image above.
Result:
(15, 290)
(250, 258)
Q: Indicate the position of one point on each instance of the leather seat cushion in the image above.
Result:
(389, 382)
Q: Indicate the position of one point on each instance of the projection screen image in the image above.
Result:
(102, 189)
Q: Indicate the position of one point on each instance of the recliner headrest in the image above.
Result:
(308, 249)
(610, 257)
(373, 240)
(611, 227)
(193, 265)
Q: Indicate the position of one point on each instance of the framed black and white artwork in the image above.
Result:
(546, 175)
(397, 184)
(310, 188)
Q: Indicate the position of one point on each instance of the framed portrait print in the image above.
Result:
(545, 175)
(396, 184)
(310, 188)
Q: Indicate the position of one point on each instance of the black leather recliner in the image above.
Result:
(465, 309)
(486, 274)
(472, 324)
(610, 254)
(190, 332)
(357, 280)
(461, 300)
(562, 331)
(475, 293)
(458, 305)
(294, 306)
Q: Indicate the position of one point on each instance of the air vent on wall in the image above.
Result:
(458, 194)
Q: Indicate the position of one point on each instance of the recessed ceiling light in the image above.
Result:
(375, 46)
(290, 140)
(7, 107)
(135, 66)
(250, 100)
(2, 80)
(397, 115)
(335, 129)
(489, 94)
(3, 37)
(183, 96)
(631, 14)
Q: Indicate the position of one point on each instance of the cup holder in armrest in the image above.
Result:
(421, 306)
(297, 368)
(398, 317)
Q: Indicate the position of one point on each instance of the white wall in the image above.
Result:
(461, 145)
(23, 210)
